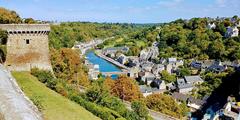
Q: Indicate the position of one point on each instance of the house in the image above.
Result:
(196, 65)
(192, 103)
(114, 50)
(183, 86)
(160, 84)
(171, 86)
(145, 90)
(157, 69)
(133, 73)
(186, 84)
(193, 79)
(93, 71)
(169, 68)
(133, 61)
(149, 53)
(231, 32)
(172, 60)
(147, 77)
(217, 67)
(179, 63)
(211, 26)
(122, 59)
(147, 66)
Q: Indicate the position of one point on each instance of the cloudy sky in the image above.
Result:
(131, 11)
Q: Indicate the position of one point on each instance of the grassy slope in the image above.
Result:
(55, 106)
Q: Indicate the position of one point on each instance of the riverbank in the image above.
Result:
(99, 54)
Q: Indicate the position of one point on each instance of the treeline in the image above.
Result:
(66, 34)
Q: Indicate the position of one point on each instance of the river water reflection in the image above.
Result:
(104, 66)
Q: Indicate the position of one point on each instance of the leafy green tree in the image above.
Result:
(184, 72)
(140, 108)
(167, 77)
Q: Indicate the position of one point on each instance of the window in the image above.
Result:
(27, 41)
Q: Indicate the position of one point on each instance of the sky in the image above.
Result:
(123, 11)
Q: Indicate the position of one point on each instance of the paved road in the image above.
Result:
(14, 105)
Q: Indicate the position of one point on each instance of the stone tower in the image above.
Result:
(27, 46)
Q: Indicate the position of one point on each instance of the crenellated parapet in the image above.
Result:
(31, 29)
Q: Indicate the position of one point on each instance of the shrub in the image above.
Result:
(42, 75)
(102, 112)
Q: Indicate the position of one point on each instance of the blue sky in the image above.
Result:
(130, 11)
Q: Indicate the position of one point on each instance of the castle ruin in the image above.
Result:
(27, 46)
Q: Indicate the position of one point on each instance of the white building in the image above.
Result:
(232, 32)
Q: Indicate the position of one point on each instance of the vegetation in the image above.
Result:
(52, 105)
(67, 65)
(212, 81)
(167, 77)
(97, 98)
(166, 104)
(3, 48)
(126, 89)
(192, 39)
(7, 16)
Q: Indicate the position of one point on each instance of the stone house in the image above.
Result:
(147, 66)
(192, 103)
(186, 84)
(114, 50)
(133, 73)
(160, 84)
(122, 59)
(232, 32)
(157, 69)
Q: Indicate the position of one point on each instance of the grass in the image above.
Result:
(51, 104)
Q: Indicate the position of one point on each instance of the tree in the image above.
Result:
(140, 108)
(184, 72)
(30, 21)
(126, 89)
(7, 16)
(3, 37)
(108, 83)
(167, 77)
(165, 104)
(216, 49)
(68, 65)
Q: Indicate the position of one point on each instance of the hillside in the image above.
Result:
(52, 105)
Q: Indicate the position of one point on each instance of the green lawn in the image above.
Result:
(54, 106)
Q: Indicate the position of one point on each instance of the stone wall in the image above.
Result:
(27, 46)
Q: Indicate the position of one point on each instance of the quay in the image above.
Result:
(124, 68)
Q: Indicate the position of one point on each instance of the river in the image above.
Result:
(104, 66)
